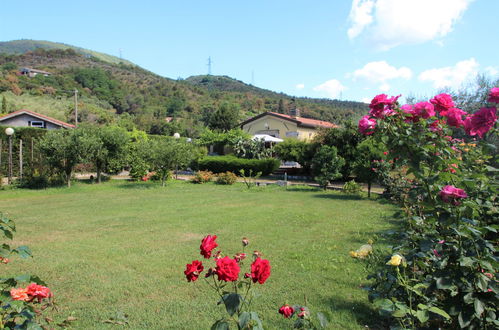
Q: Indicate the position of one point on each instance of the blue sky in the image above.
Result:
(350, 49)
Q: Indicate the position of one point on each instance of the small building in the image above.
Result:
(33, 72)
(284, 126)
(26, 118)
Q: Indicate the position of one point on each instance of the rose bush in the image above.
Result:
(435, 275)
(233, 289)
(21, 307)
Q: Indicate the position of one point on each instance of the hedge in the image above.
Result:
(221, 164)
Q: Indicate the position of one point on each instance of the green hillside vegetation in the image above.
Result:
(26, 45)
(130, 96)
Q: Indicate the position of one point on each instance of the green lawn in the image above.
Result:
(122, 247)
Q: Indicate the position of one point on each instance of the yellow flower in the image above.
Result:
(353, 254)
(370, 242)
(395, 260)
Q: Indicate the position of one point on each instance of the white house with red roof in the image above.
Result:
(284, 126)
(27, 118)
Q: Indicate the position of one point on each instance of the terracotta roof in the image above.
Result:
(300, 121)
(37, 115)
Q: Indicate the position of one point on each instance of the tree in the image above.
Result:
(326, 165)
(225, 118)
(345, 139)
(4, 104)
(167, 154)
(110, 146)
(368, 152)
(63, 149)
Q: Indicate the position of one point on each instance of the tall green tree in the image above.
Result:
(345, 139)
(167, 154)
(64, 149)
(4, 104)
(225, 118)
(326, 165)
(110, 146)
(368, 151)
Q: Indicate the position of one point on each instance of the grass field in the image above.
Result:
(122, 247)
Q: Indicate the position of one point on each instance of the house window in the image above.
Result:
(40, 124)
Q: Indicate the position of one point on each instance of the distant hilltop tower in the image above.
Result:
(209, 65)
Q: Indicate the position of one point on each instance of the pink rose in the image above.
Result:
(382, 106)
(442, 103)
(367, 125)
(455, 117)
(494, 95)
(38, 291)
(480, 122)
(451, 194)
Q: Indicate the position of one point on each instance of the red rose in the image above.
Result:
(382, 106)
(260, 270)
(38, 291)
(227, 269)
(286, 311)
(193, 270)
(207, 245)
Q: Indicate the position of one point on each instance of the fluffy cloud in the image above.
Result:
(451, 76)
(300, 86)
(332, 88)
(361, 16)
(390, 23)
(380, 73)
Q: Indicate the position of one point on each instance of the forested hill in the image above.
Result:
(125, 94)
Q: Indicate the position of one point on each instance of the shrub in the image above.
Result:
(226, 178)
(351, 187)
(202, 177)
(442, 273)
(220, 164)
(326, 165)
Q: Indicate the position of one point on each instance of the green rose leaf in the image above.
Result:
(439, 311)
(422, 315)
(220, 325)
(232, 302)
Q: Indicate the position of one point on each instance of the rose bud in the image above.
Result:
(257, 254)
(4, 260)
(247, 275)
(210, 272)
(240, 256)
(218, 255)
(304, 313)
(286, 311)
(245, 241)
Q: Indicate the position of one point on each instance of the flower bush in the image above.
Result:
(226, 178)
(443, 271)
(21, 307)
(202, 177)
(231, 286)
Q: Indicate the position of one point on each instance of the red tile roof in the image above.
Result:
(37, 115)
(300, 121)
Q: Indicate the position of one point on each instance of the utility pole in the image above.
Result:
(76, 107)
(209, 65)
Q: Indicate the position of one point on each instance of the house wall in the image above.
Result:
(276, 127)
(280, 128)
(23, 121)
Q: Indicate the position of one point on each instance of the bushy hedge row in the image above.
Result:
(220, 164)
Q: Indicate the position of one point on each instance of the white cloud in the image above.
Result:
(492, 71)
(451, 76)
(381, 73)
(300, 86)
(361, 16)
(366, 100)
(390, 23)
(332, 88)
